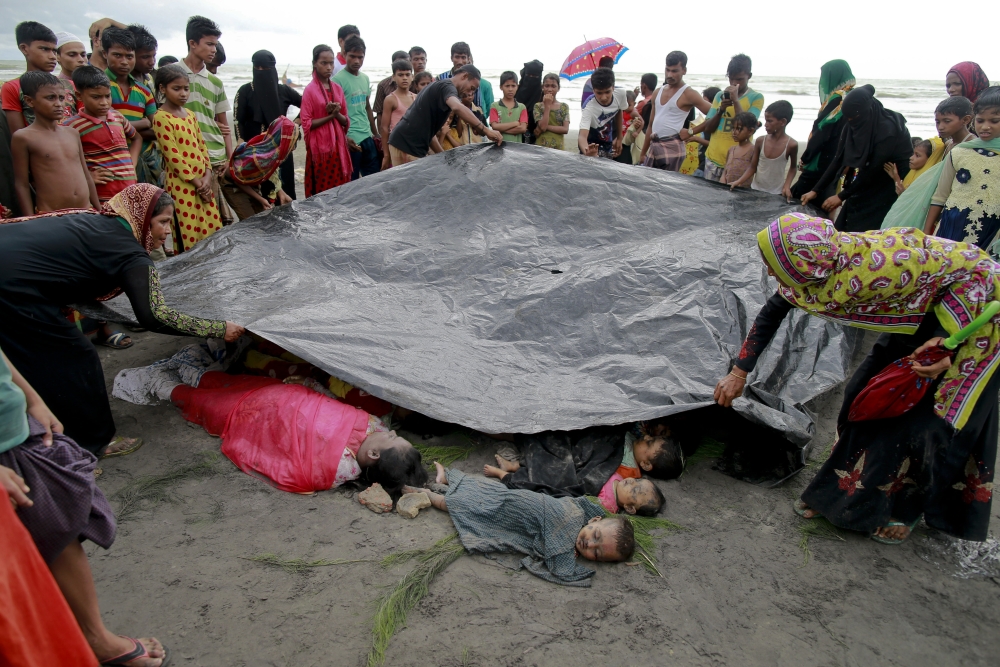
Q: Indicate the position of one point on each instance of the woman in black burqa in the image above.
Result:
(529, 93)
(872, 137)
(262, 100)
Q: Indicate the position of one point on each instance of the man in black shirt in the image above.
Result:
(416, 132)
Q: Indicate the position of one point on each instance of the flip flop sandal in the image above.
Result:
(801, 511)
(138, 651)
(892, 524)
(114, 341)
(123, 452)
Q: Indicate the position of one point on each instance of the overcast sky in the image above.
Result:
(879, 38)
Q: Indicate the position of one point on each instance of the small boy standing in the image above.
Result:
(775, 155)
(395, 105)
(735, 99)
(38, 45)
(72, 55)
(387, 85)
(601, 132)
(208, 101)
(740, 155)
(48, 156)
(508, 116)
(111, 146)
(357, 88)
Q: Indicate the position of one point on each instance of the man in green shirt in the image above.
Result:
(357, 88)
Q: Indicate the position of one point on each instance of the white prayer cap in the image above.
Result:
(63, 38)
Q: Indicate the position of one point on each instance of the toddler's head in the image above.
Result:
(94, 89)
(611, 539)
(777, 116)
(744, 125)
(953, 116)
(988, 113)
(660, 456)
(921, 153)
(639, 496)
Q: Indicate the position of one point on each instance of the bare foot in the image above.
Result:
(507, 466)
(807, 512)
(442, 475)
(894, 532)
(493, 471)
(412, 489)
(118, 646)
(121, 445)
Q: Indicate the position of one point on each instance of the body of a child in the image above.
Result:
(967, 199)
(740, 156)
(186, 160)
(775, 155)
(549, 532)
(47, 156)
(508, 116)
(551, 115)
(111, 146)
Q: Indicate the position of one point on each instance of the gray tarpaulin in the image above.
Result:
(518, 289)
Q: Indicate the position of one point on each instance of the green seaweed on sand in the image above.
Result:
(443, 454)
(393, 604)
(819, 528)
(298, 565)
(643, 527)
(708, 450)
(139, 493)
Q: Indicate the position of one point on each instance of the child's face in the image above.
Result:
(509, 88)
(40, 55)
(204, 49)
(48, 102)
(177, 91)
(988, 123)
(145, 61)
(604, 96)
(72, 56)
(96, 101)
(953, 84)
(120, 60)
(645, 450)
(948, 124)
(741, 81)
(773, 124)
(403, 79)
(598, 540)
(467, 97)
(741, 133)
(423, 83)
(459, 60)
(919, 158)
(635, 493)
(355, 59)
(324, 65)
(550, 87)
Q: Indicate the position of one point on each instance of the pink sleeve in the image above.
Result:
(306, 111)
(494, 116)
(607, 494)
(524, 116)
(11, 97)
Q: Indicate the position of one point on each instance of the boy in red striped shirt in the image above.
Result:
(111, 146)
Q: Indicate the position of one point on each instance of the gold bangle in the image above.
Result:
(742, 377)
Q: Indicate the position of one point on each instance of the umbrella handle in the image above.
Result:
(958, 338)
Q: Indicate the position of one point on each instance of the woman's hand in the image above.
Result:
(41, 412)
(934, 370)
(233, 331)
(16, 488)
(808, 197)
(832, 203)
(730, 388)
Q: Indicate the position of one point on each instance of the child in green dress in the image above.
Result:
(551, 115)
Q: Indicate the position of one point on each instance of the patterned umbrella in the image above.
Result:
(584, 58)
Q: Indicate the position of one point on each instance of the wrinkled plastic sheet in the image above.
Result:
(518, 289)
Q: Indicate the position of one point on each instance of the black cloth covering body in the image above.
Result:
(568, 463)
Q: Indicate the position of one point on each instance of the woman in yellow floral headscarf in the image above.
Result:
(936, 460)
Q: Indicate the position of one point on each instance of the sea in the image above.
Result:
(915, 99)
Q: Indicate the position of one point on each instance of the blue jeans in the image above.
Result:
(366, 162)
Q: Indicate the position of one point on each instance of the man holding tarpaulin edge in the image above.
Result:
(416, 132)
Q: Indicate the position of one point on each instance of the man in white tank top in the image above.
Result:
(672, 103)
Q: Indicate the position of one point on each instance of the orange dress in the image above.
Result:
(185, 158)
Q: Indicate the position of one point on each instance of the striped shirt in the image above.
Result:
(208, 99)
(138, 105)
(105, 145)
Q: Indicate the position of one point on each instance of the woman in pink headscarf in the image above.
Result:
(324, 124)
(967, 80)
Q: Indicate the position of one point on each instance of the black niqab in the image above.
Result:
(867, 123)
(529, 93)
(265, 101)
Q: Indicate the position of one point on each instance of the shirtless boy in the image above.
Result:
(47, 155)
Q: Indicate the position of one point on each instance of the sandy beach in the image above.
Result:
(738, 587)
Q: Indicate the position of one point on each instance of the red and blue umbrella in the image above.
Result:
(583, 60)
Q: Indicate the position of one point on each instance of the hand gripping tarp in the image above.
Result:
(519, 289)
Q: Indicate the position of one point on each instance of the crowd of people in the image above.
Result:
(119, 159)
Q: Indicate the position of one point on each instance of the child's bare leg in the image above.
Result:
(437, 500)
(442, 474)
(493, 471)
(506, 465)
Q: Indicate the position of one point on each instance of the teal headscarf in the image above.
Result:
(835, 77)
